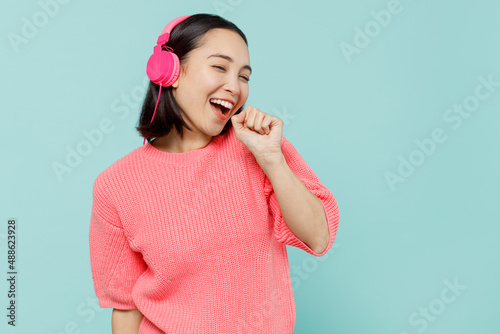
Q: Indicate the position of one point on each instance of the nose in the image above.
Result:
(233, 85)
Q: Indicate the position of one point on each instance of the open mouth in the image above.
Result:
(223, 107)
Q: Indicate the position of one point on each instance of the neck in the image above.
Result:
(173, 143)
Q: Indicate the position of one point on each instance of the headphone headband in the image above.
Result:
(165, 33)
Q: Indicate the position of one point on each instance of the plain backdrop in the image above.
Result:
(394, 105)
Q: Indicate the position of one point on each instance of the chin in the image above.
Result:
(214, 131)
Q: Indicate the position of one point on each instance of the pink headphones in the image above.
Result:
(163, 66)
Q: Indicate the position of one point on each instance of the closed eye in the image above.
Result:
(219, 67)
(247, 79)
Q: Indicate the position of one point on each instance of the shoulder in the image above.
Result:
(120, 169)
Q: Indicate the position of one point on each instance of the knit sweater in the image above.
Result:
(196, 240)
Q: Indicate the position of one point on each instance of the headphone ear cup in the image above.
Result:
(163, 68)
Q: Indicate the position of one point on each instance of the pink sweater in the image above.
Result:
(196, 240)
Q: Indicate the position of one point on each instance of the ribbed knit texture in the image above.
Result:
(196, 240)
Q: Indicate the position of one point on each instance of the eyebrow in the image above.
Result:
(231, 60)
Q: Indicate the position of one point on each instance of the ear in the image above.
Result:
(181, 71)
(176, 83)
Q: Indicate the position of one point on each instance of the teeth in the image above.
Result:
(225, 104)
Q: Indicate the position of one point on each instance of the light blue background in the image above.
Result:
(350, 120)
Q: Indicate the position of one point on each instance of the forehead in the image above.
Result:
(226, 42)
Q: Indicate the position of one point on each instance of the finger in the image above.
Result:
(260, 120)
(239, 118)
(250, 118)
(266, 125)
(245, 112)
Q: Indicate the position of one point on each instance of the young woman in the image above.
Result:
(188, 232)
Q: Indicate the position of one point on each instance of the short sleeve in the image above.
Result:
(311, 181)
(115, 266)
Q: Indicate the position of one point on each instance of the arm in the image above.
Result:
(126, 321)
(307, 210)
(302, 211)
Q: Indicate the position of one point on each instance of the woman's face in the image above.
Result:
(218, 69)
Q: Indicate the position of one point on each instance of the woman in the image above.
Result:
(188, 233)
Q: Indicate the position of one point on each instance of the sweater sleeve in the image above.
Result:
(311, 181)
(115, 266)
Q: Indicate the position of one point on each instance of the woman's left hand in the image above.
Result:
(260, 132)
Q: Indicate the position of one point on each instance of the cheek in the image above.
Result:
(208, 79)
(245, 92)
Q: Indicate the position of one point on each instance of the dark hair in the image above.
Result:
(185, 37)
